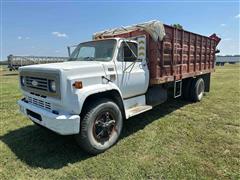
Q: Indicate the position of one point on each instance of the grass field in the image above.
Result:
(176, 140)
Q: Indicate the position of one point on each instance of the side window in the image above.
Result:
(128, 52)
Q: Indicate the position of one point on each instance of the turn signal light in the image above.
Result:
(78, 84)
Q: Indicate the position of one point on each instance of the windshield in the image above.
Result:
(94, 51)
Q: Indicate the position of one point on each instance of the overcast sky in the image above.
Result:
(46, 28)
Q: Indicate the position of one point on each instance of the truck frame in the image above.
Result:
(120, 73)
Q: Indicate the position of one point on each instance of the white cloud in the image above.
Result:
(223, 24)
(57, 51)
(58, 34)
(237, 16)
(21, 38)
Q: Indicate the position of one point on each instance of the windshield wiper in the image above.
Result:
(88, 58)
(72, 59)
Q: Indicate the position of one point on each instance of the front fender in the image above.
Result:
(94, 89)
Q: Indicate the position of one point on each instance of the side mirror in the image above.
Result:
(69, 51)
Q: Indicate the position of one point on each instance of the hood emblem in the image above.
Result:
(34, 83)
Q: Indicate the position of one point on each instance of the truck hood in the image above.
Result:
(65, 66)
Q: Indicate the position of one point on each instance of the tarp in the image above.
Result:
(154, 28)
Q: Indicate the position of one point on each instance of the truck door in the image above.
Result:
(132, 71)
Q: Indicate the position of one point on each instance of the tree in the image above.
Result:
(178, 26)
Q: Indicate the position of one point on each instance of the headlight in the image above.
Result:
(52, 86)
(23, 80)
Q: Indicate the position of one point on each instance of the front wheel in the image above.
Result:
(100, 127)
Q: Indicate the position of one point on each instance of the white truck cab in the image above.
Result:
(103, 82)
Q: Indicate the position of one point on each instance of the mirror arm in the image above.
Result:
(133, 63)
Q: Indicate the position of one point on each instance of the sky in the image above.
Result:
(46, 28)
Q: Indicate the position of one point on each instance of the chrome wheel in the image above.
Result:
(104, 126)
(101, 126)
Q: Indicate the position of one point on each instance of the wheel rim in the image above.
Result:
(104, 126)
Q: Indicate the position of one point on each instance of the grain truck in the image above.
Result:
(120, 73)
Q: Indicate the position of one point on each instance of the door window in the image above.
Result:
(128, 52)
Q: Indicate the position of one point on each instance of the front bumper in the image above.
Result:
(63, 124)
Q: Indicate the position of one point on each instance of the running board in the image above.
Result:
(137, 110)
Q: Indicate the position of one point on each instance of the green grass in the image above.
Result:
(176, 140)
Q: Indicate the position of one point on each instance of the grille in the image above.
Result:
(39, 103)
(37, 83)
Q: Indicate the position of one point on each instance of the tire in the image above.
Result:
(100, 127)
(197, 90)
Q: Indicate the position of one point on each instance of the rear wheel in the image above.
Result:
(197, 89)
(100, 127)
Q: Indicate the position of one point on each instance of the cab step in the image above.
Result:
(137, 110)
